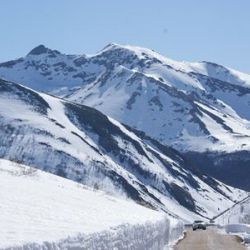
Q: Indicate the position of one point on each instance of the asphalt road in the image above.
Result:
(209, 239)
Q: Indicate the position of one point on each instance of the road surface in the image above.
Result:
(209, 239)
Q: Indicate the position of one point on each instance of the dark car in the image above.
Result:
(199, 224)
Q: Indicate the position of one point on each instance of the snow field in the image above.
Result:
(44, 211)
(28, 141)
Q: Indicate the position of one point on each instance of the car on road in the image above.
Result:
(199, 224)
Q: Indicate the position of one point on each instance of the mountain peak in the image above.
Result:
(129, 49)
(110, 46)
(41, 49)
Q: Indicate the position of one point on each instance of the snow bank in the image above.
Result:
(176, 232)
(237, 228)
(43, 211)
(141, 237)
(243, 230)
(161, 235)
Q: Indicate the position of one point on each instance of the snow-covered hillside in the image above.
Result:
(43, 211)
(238, 214)
(82, 144)
(190, 106)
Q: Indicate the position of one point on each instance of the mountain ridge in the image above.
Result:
(82, 144)
(200, 109)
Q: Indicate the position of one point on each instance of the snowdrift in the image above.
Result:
(44, 211)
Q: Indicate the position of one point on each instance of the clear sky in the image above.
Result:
(186, 30)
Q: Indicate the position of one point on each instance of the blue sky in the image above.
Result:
(189, 30)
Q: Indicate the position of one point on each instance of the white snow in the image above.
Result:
(242, 230)
(220, 72)
(237, 220)
(93, 83)
(40, 210)
(238, 214)
(237, 228)
(19, 114)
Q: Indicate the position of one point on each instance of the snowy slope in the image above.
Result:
(43, 211)
(82, 144)
(190, 106)
(220, 72)
(238, 214)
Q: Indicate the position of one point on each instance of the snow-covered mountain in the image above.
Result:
(201, 109)
(82, 144)
(190, 106)
(43, 211)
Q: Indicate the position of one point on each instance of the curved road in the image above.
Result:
(210, 239)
